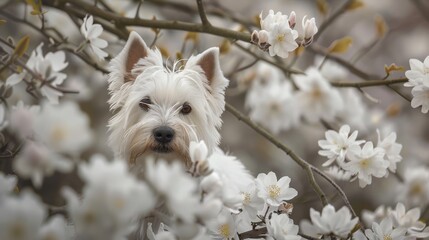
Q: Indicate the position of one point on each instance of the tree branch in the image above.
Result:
(77, 6)
(332, 18)
(369, 83)
(202, 13)
(301, 162)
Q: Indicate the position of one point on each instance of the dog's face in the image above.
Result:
(158, 111)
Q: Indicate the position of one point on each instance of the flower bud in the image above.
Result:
(263, 37)
(254, 38)
(309, 27)
(292, 20)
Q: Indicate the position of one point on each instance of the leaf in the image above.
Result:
(355, 5)
(22, 46)
(380, 26)
(36, 5)
(299, 50)
(392, 68)
(192, 36)
(164, 52)
(340, 45)
(2, 22)
(323, 7)
(225, 46)
(393, 109)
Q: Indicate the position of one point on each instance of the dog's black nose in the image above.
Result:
(163, 134)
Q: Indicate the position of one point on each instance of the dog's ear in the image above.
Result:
(121, 75)
(208, 64)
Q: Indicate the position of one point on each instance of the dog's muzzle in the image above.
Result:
(163, 136)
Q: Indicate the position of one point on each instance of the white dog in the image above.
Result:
(158, 111)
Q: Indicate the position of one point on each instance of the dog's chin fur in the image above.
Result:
(199, 83)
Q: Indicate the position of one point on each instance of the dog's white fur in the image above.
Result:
(139, 72)
(200, 83)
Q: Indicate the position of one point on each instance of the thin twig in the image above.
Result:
(76, 6)
(301, 162)
(332, 18)
(369, 83)
(281, 67)
(202, 13)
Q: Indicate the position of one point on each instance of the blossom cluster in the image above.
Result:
(205, 203)
(397, 223)
(279, 103)
(191, 205)
(354, 161)
(418, 79)
(51, 136)
(278, 34)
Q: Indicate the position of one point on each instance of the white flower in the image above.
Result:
(276, 108)
(420, 97)
(331, 70)
(418, 78)
(257, 80)
(252, 203)
(36, 161)
(385, 230)
(198, 151)
(410, 221)
(336, 145)
(338, 173)
(366, 162)
(7, 184)
(355, 114)
(112, 200)
(379, 214)
(391, 148)
(414, 190)
(309, 27)
(64, 128)
(418, 74)
(48, 68)
(92, 32)
(330, 221)
(317, 98)
(15, 78)
(55, 229)
(280, 36)
(223, 226)
(178, 188)
(22, 119)
(271, 19)
(21, 217)
(281, 227)
(282, 40)
(272, 191)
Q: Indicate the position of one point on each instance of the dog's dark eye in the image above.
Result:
(186, 109)
(145, 103)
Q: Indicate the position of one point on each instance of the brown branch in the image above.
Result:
(301, 162)
(424, 10)
(202, 13)
(278, 65)
(76, 6)
(323, 52)
(332, 18)
(369, 83)
(255, 233)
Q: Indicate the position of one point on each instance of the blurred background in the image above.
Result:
(404, 35)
